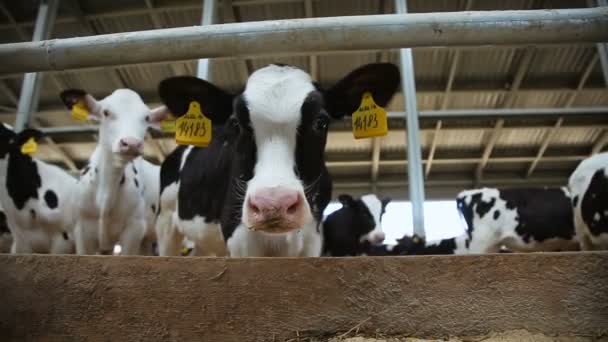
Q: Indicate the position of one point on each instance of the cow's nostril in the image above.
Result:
(292, 208)
(123, 143)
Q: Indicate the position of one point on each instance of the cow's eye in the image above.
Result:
(322, 122)
(106, 113)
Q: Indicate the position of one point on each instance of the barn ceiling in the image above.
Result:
(458, 152)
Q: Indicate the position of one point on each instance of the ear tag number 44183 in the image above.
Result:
(369, 120)
(29, 147)
(193, 128)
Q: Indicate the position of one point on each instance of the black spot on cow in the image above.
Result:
(594, 204)
(418, 246)
(96, 170)
(574, 201)
(136, 182)
(85, 170)
(65, 236)
(134, 169)
(51, 199)
(3, 225)
(153, 207)
(122, 179)
(543, 213)
(33, 214)
(496, 214)
(22, 178)
(482, 207)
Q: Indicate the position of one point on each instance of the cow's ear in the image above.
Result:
(346, 200)
(381, 79)
(385, 201)
(71, 97)
(157, 115)
(27, 134)
(177, 93)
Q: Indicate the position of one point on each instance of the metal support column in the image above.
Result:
(30, 89)
(202, 69)
(414, 165)
(602, 48)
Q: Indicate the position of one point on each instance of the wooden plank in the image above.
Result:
(95, 298)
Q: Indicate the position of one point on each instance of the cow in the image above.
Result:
(37, 198)
(588, 185)
(112, 187)
(522, 220)
(262, 182)
(350, 230)
(6, 238)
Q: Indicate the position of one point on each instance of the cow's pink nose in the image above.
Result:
(376, 237)
(131, 145)
(275, 204)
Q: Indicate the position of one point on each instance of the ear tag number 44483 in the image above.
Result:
(193, 128)
(369, 120)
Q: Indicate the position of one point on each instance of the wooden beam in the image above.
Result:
(429, 163)
(243, 67)
(489, 147)
(313, 60)
(551, 133)
(212, 299)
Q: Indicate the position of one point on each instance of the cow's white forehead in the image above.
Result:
(374, 205)
(276, 93)
(122, 100)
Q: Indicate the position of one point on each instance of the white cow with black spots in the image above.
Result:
(38, 198)
(589, 187)
(523, 220)
(112, 188)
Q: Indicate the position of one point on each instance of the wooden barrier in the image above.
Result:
(96, 298)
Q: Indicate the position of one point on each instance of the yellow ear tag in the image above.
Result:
(193, 128)
(370, 119)
(29, 147)
(80, 111)
(168, 125)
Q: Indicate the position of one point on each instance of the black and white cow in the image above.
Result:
(589, 188)
(6, 238)
(523, 220)
(37, 197)
(262, 181)
(115, 204)
(350, 230)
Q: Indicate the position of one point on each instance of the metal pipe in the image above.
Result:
(208, 15)
(30, 88)
(504, 112)
(308, 35)
(414, 154)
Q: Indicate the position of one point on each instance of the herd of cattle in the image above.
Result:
(261, 186)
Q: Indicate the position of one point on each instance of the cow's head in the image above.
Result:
(410, 245)
(12, 142)
(280, 124)
(366, 214)
(123, 119)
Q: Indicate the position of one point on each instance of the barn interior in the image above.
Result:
(496, 116)
(503, 116)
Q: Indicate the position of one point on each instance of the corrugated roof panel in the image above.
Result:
(461, 139)
(485, 63)
(564, 63)
(345, 7)
(520, 137)
(345, 142)
(573, 136)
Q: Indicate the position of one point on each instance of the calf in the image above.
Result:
(350, 230)
(111, 191)
(150, 175)
(37, 197)
(523, 220)
(6, 238)
(262, 181)
(589, 188)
